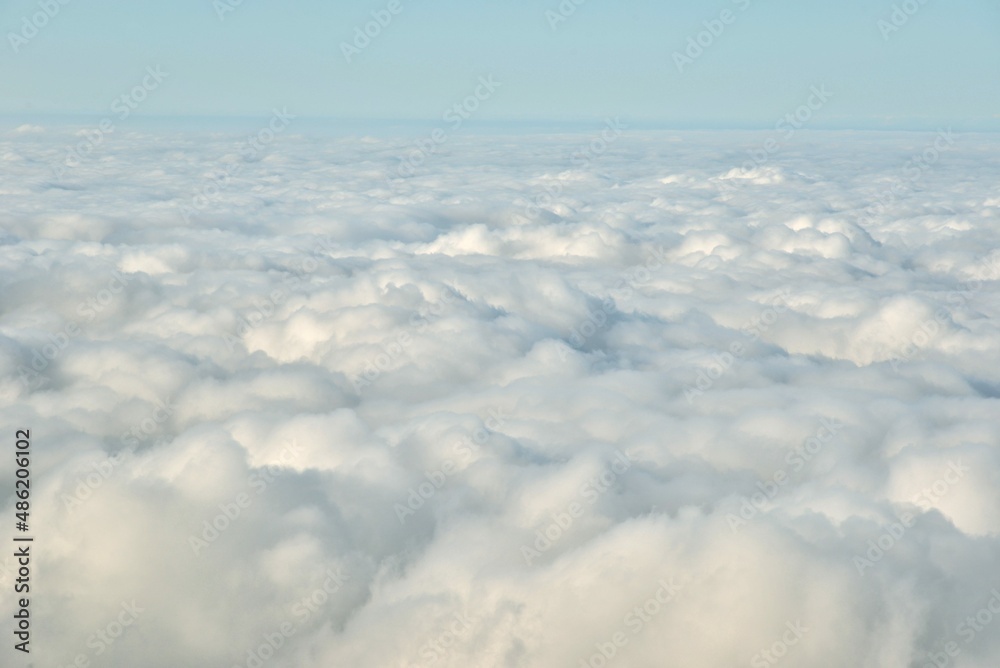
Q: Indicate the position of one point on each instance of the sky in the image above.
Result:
(938, 65)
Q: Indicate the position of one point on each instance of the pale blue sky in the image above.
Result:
(610, 58)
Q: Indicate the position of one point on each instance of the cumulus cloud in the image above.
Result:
(659, 407)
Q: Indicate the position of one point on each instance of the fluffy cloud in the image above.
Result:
(658, 407)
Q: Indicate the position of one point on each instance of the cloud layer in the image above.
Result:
(658, 399)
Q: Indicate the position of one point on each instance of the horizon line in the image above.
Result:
(967, 125)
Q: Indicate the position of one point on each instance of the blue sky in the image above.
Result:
(605, 59)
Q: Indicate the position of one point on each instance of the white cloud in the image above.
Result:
(316, 345)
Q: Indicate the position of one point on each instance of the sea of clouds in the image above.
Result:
(617, 398)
